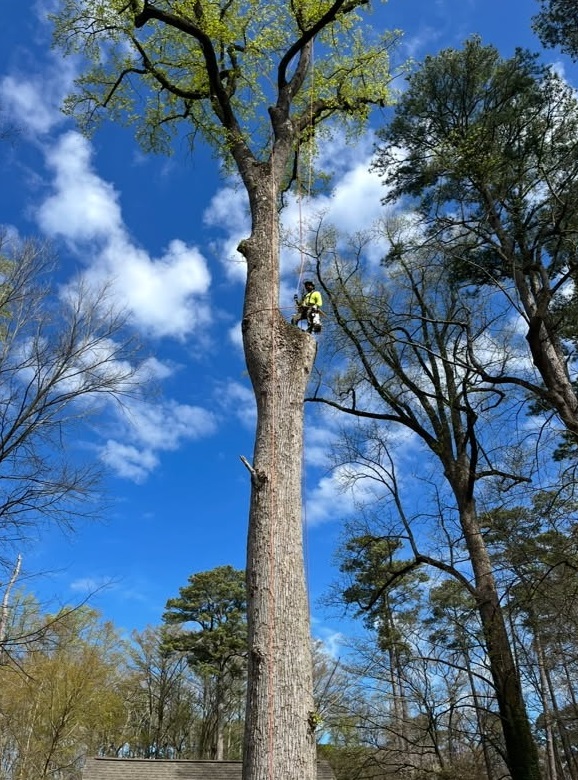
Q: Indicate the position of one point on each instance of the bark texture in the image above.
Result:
(279, 360)
(521, 752)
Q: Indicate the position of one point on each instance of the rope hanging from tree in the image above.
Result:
(309, 178)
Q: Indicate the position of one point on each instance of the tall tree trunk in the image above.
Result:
(570, 758)
(535, 294)
(279, 729)
(398, 702)
(4, 608)
(479, 709)
(547, 353)
(219, 737)
(521, 751)
(546, 712)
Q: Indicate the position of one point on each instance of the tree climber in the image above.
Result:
(308, 308)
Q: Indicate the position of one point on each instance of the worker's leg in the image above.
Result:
(298, 316)
(314, 322)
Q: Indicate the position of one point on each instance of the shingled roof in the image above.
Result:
(154, 769)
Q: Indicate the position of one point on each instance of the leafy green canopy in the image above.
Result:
(491, 163)
(214, 602)
(222, 66)
(557, 25)
(491, 157)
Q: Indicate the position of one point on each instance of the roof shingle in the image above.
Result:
(104, 768)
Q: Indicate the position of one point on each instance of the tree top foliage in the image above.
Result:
(224, 67)
(210, 599)
(463, 117)
(557, 25)
(215, 603)
(498, 136)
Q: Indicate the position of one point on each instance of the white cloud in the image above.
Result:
(153, 369)
(425, 40)
(83, 206)
(237, 400)
(236, 336)
(339, 494)
(319, 440)
(45, 7)
(143, 430)
(128, 461)
(166, 295)
(229, 211)
(356, 201)
(163, 425)
(33, 101)
(22, 102)
(338, 154)
(88, 586)
(332, 642)
(328, 500)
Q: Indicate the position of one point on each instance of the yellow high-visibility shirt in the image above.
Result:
(312, 299)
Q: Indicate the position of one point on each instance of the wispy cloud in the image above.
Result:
(166, 296)
(33, 100)
(88, 586)
(236, 400)
(144, 430)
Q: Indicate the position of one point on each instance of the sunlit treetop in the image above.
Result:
(224, 67)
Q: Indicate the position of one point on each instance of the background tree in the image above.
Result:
(369, 565)
(455, 629)
(535, 550)
(405, 336)
(557, 25)
(441, 677)
(491, 166)
(60, 357)
(215, 647)
(334, 691)
(240, 73)
(56, 698)
(63, 357)
(161, 702)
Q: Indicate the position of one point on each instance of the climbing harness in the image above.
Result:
(314, 320)
(308, 309)
(309, 314)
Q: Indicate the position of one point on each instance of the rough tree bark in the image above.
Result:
(279, 359)
(521, 751)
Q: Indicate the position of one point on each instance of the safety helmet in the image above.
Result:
(308, 283)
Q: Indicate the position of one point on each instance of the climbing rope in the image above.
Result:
(299, 282)
(309, 177)
(272, 506)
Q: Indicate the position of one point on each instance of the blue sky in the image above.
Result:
(166, 230)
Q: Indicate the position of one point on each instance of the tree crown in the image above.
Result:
(223, 68)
